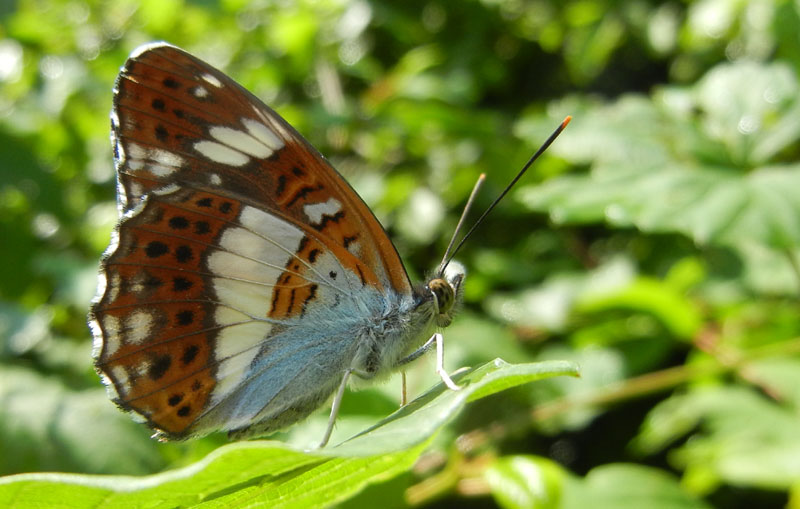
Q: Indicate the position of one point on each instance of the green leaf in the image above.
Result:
(673, 309)
(662, 171)
(709, 205)
(44, 425)
(532, 482)
(751, 108)
(743, 438)
(275, 475)
(438, 406)
(621, 486)
(526, 482)
(237, 475)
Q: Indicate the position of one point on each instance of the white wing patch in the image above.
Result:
(165, 157)
(271, 227)
(200, 92)
(219, 153)
(315, 211)
(254, 257)
(120, 374)
(263, 134)
(237, 346)
(159, 162)
(210, 78)
(235, 147)
(138, 326)
(240, 141)
(113, 287)
(112, 341)
(278, 128)
(161, 171)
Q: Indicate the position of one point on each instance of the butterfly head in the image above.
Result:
(445, 289)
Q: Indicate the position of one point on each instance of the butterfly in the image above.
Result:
(246, 282)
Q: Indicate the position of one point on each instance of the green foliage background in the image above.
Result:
(655, 245)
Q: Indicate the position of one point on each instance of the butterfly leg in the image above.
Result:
(437, 340)
(403, 393)
(337, 402)
(416, 354)
(440, 363)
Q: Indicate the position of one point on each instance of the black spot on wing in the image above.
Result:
(329, 219)
(181, 284)
(171, 83)
(312, 294)
(281, 185)
(178, 223)
(302, 245)
(161, 133)
(159, 366)
(155, 249)
(275, 295)
(303, 192)
(183, 254)
(185, 317)
(291, 299)
(189, 353)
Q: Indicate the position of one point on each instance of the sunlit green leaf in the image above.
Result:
(276, 475)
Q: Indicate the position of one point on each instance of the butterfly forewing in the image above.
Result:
(177, 119)
(233, 229)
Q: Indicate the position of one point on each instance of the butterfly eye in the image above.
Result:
(443, 292)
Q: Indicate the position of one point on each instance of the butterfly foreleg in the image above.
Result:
(440, 363)
(438, 340)
(416, 354)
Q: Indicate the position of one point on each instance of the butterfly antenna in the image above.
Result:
(448, 257)
(467, 207)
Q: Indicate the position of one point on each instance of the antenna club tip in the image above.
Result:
(482, 176)
(566, 121)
